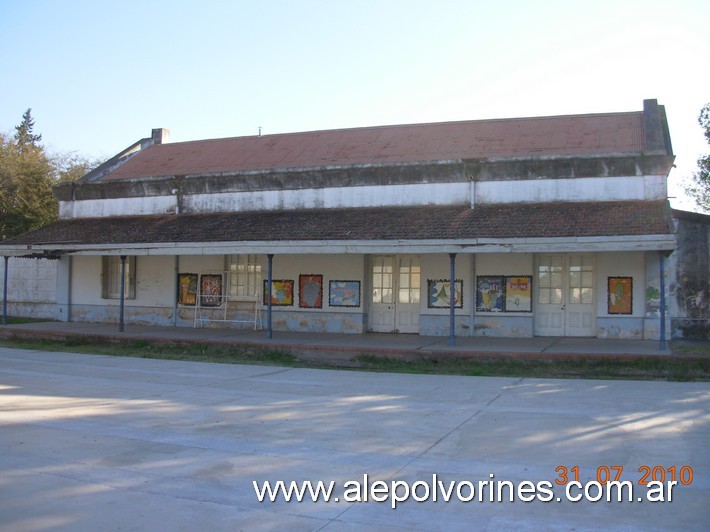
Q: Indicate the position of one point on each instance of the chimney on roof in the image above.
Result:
(655, 124)
(160, 136)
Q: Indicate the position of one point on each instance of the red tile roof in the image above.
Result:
(441, 223)
(573, 135)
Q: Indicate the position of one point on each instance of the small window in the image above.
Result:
(111, 278)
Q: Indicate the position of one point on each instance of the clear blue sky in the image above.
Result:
(99, 75)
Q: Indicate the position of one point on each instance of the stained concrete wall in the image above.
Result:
(640, 177)
(32, 287)
(689, 297)
(622, 188)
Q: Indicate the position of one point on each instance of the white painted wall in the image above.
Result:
(579, 189)
(269, 200)
(155, 276)
(621, 264)
(86, 281)
(117, 207)
(155, 279)
(629, 264)
(504, 264)
(31, 287)
(30, 280)
(438, 266)
(332, 267)
(202, 263)
(500, 324)
(524, 191)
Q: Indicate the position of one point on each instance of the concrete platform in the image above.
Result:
(91, 442)
(346, 346)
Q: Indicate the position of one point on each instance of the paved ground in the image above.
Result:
(342, 347)
(92, 442)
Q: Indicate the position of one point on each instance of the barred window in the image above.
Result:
(111, 278)
(244, 276)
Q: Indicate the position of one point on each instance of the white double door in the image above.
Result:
(395, 291)
(565, 295)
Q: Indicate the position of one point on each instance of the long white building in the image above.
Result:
(550, 226)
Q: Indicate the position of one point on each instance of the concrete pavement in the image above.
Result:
(93, 442)
(340, 348)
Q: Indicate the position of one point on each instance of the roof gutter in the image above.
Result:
(663, 242)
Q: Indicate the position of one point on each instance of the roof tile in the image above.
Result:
(415, 223)
(520, 137)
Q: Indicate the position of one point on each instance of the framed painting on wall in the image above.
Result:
(439, 293)
(310, 290)
(281, 293)
(620, 295)
(344, 293)
(490, 293)
(211, 290)
(187, 289)
(518, 293)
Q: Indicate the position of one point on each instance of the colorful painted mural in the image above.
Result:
(439, 293)
(518, 293)
(490, 293)
(620, 295)
(344, 294)
(310, 291)
(281, 293)
(187, 289)
(210, 290)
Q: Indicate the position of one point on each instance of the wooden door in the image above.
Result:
(395, 291)
(565, 295)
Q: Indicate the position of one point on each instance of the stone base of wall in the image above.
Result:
(439, 325)
(32, 310)
(494, 326)
(617, 327)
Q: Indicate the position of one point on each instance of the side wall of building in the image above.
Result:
(32, 287)
(690, 273)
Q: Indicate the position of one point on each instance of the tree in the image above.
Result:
(26, 199)
(27, 175)
(24, 136)
(700, 187)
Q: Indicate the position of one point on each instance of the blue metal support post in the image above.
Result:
(121, 325)
(4, 292)
(270, 257)
(452, 300)
(662, 282)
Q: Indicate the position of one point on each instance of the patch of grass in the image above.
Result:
(11, 320)
(679, 368)
(145, 349)
(661, 368)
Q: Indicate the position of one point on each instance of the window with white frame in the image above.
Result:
(111, 278)
(244, 276)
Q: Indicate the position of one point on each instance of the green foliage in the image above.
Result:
(23, 133)
(26, 178)
(700, 186)
(71, 166)
(27, 175)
